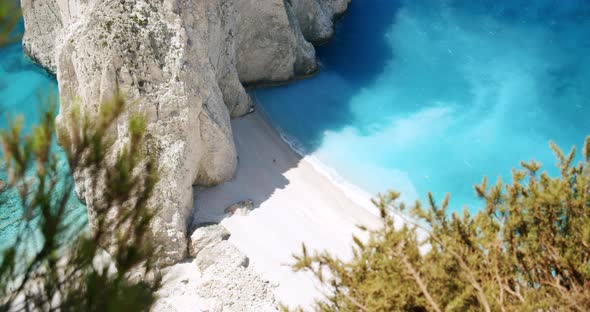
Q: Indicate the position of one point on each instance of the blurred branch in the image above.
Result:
(10, 15)
(59, 272)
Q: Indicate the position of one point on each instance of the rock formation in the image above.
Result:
(241, 208)
(316, 17)
(217, 278)
(183, 63)
(215, 282)
(206, 236)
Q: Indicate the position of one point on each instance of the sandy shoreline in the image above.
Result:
(294, 203)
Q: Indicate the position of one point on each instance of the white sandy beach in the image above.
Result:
(294, 203)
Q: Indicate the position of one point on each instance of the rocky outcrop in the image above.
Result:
(242, 208)
(231, 256)
(269, 57)
(284, 53)
(217, 279)
(183, 63)
(43, 20)
(153, 55)
(220, 287)
(206, 236)
(316, 17)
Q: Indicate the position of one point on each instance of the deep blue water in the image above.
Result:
(432, 95)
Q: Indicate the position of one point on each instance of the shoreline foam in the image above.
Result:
(352, 191)
(295, 202)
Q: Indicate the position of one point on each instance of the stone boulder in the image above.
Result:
(242, 208)
(219, 287)
(223, 252)
(206, 236)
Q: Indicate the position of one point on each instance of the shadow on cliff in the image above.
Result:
(360, 49)
(350, 62)
(263, 161)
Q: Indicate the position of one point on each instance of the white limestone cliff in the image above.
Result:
(184, 64)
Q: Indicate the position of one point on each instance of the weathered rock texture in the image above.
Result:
(316, 17)
(183, 63)
(206, 236)
(217, 279)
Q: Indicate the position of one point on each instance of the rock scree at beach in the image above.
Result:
(183, 63)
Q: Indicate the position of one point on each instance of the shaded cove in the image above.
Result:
(424, 95)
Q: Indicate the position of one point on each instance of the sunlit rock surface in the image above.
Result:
(183, 63)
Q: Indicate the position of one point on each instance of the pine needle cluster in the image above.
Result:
(55, 263)
(527, 250)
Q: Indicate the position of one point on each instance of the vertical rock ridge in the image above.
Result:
(183, 63)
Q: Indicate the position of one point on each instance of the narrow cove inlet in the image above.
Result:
(415, 96)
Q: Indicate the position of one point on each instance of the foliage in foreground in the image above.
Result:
(44, 270)
(528, 250)
(9, 17)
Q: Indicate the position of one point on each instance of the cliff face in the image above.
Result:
(183, 63)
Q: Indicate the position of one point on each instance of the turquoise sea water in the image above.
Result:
(22, 85)
(432, 95)
(414, 95)
(24, 89)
